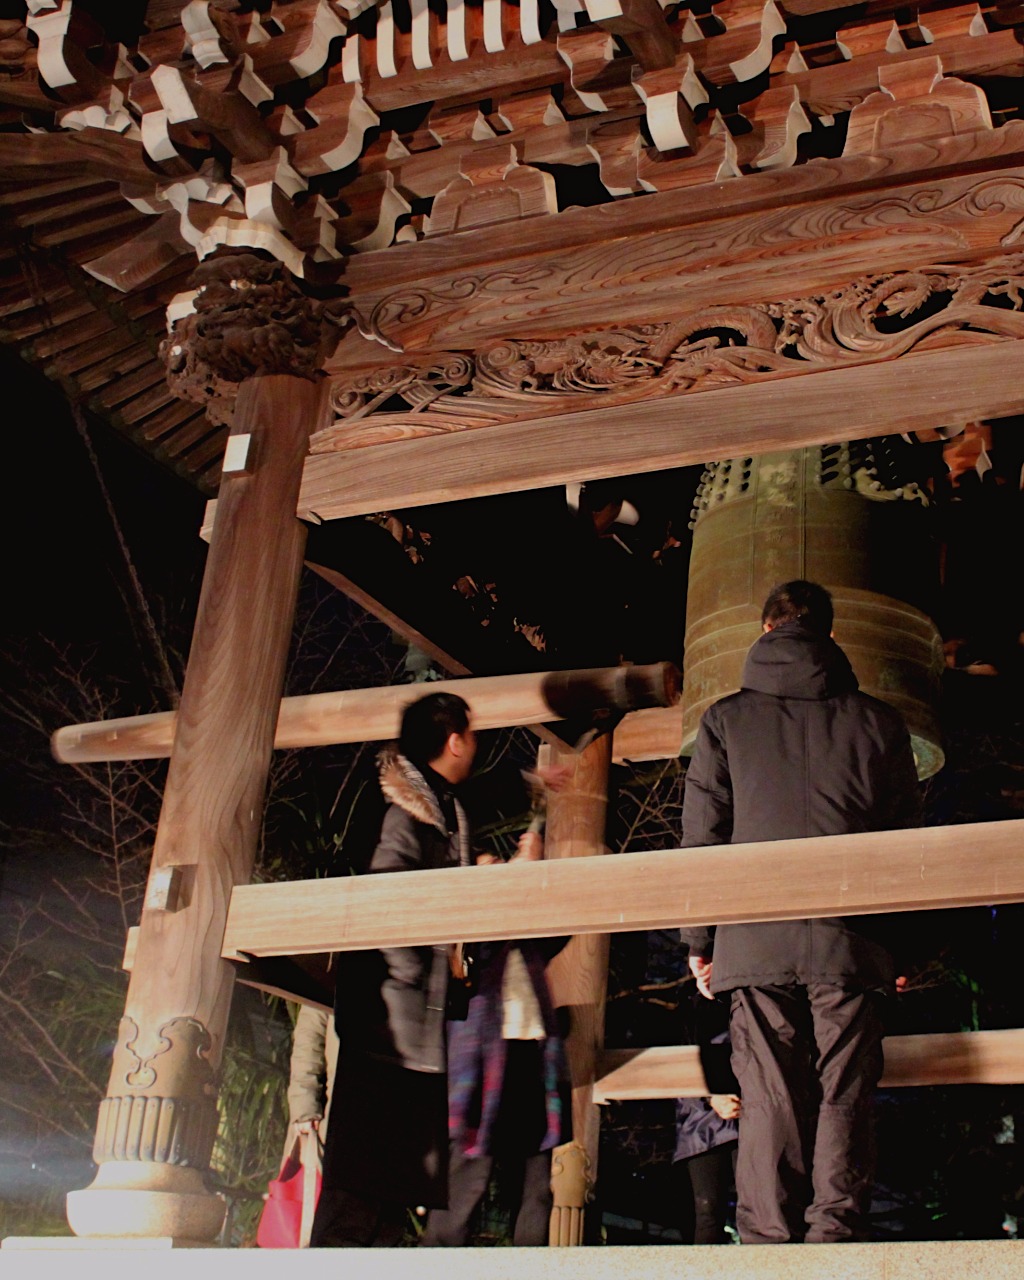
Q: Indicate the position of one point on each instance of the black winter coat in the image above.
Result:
(388, 1138)
(391, 1003)
(799, 751)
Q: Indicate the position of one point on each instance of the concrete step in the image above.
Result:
(38, 1259)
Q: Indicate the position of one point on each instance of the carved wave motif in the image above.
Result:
(400, 309)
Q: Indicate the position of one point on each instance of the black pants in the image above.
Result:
(706, 1180)
(345, 1220)
(386, 1149)
(808, 1059)
(527, 1180)
(519, 1129)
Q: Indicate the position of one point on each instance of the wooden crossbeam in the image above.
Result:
(938, 388)
(949, 1057)
(774, 880)
(820, 183)
(374, 715)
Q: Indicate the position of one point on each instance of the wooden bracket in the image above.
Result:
(915, 102)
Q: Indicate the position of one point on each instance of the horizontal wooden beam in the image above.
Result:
(653, 734)
(769, 255)
(938, 388)
(822, 181)
(774, 880)
(949, 1057)
(374, 715)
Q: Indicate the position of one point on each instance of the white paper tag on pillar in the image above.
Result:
(236, 455)
(162, 889)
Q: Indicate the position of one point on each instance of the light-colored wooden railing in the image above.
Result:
(953, 1057)
(925, 868)
(841, 875)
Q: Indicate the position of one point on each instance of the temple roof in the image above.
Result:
(527, 210)
(330, 134)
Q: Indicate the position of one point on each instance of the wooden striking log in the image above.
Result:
(949, 1057)
(373, 715)
(937, 388)
(858, 874)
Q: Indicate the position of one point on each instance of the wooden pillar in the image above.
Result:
(157, 1124)
(579, 980)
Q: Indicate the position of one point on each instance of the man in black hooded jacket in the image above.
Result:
(800, 751)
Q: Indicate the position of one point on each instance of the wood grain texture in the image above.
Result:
(784, 252)
(930, 389)
(579, 974)
(842, 85)
(953, 1057)
(212, 807)
(653, 734)
(347, 715)
(520, 66)
(775, 880)
(95, 153)
(849, 324)
(821, 182)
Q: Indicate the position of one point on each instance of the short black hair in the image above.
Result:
(427, 723)
(799, 601)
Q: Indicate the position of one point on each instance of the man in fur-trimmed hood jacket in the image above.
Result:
(424, 829)
(799, 751)
(387, 1144)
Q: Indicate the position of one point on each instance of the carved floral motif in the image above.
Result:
(878, 317)
(181, 1042)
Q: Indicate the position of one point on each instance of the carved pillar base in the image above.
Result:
(155, 1133)
(134, 1198)
(570, 1188)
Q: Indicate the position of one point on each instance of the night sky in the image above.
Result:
(67, 578)
(64, 560)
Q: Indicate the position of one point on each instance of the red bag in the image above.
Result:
(287, 1216)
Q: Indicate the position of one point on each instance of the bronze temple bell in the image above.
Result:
(836, 515)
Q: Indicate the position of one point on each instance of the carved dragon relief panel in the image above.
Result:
(877, 317)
